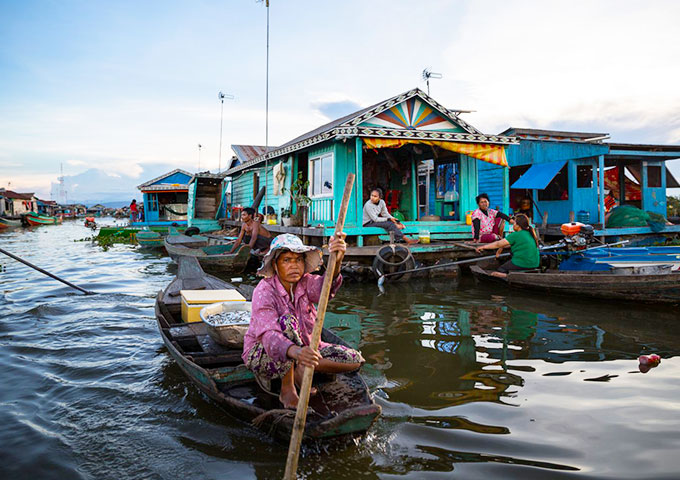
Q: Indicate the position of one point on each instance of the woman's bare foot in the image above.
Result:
(289, 397)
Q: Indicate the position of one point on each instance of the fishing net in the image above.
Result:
(629, 216)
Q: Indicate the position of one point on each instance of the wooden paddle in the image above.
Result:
(303, 403)
(18, 259)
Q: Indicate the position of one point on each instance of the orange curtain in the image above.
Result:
(481, 151)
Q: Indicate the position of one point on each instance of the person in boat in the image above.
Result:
(134, 212)
(487, 224)
(276, 344)
(523, 243)
(376, 215)
(252, 232)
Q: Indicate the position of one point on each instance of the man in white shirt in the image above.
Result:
(376, 215)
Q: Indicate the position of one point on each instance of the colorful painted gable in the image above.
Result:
(413, 114)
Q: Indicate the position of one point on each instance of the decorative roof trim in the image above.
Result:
(349, 128)
(177, 170)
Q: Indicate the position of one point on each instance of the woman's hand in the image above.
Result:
(305, 356)
(338, 244)
(498, 252)
(479, 249)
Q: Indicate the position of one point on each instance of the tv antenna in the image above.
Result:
(427, 75)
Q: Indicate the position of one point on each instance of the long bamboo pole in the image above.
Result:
(19, 259)
(303, 403)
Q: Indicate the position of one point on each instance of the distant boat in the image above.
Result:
(9, 223)
(37, 219)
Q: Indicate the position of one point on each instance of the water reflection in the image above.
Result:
(473, 381)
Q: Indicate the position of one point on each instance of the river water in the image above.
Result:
(474, 382)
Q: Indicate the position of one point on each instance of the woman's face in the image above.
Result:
(375, 197)
(290, 267)
(483, 203)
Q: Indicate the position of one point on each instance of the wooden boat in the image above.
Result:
(342, 407)
(36, 219)
(213, 258)
(651, 284)
(9, 223)
(147, 238)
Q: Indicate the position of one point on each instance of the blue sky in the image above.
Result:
(130, 87)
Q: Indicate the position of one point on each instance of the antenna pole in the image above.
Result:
(266, 119)
(221, 115)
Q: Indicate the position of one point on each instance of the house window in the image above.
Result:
(654, 176)
(558, 188)
(584, 176)
(321, 174)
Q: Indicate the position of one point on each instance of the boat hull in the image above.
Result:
(36, 220)
(222, 263)
(653, 288)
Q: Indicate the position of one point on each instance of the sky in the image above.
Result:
(131, 87)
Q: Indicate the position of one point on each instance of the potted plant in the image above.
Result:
(298, 194)
(286, 217)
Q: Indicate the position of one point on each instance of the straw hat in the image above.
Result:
(291, 243)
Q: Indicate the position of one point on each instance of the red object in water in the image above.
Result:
(651, 360)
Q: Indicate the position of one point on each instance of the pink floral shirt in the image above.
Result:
(485, 221)
(271, 301)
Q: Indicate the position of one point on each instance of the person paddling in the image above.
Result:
(276, 344)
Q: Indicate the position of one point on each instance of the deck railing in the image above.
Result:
(320, 210)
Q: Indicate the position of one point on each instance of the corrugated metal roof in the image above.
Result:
(552, 134)
(153, 180)
(19, 196)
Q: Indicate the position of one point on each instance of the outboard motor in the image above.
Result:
(577, 235)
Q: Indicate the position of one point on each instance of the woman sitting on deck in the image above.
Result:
(487, 223)
(523, 244)
(277, 342)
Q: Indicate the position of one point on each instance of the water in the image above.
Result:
(474, 382)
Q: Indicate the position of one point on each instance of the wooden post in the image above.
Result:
(571, 217)
(303, 403)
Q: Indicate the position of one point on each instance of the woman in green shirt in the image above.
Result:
(523, 244)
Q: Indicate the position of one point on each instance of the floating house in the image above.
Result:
(561, 172)
(207, 201)
(47, 207)
(16, 204)
(165, 199)
(424, 156)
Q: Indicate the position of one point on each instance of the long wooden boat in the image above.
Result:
(36, 219)
(606, 258)
(9, 223)
(638, 287)
(343, 406)
(213, 258)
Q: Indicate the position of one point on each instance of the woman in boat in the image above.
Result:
(523, 244)
(277, 342)
(487, 223)
(252, 232)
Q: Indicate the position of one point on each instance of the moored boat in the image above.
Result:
(606, 258)
(343, 406)
(646, 284)
(37, 219)
(9, 223)
(147, 238)
(213, 258)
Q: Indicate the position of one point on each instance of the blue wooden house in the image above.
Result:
(422, 154)
(165, 199)
(561, 172)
